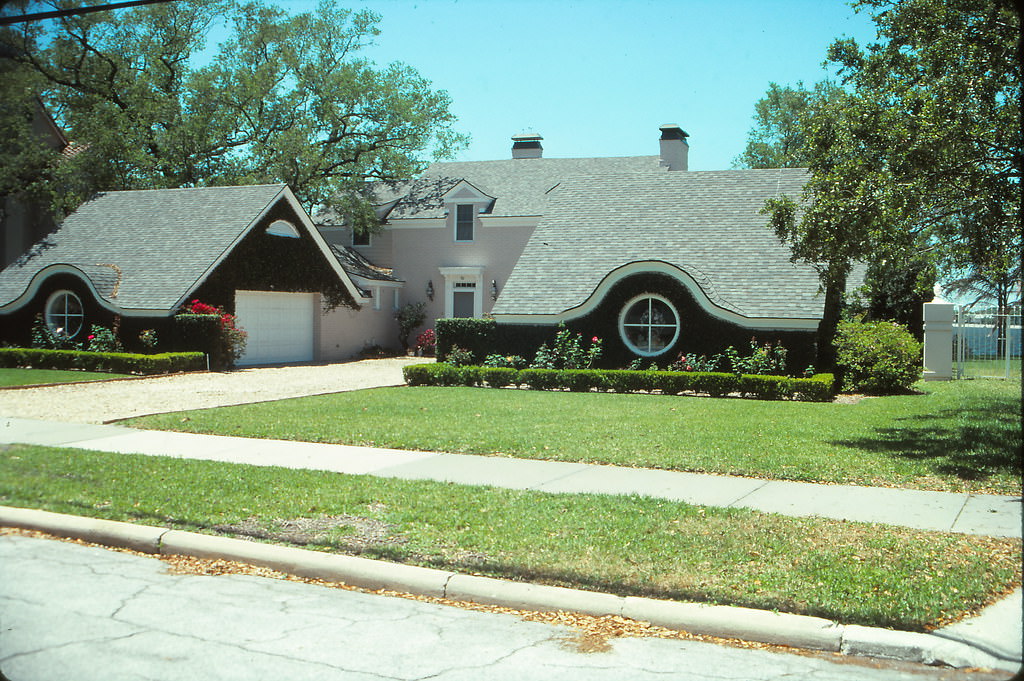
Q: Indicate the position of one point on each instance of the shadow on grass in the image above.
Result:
(974, 443)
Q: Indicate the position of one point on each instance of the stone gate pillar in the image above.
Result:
(938, 340)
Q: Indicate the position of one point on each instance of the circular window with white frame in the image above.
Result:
(649, 324)
(64, 314)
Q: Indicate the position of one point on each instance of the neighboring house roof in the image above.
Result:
(146, 250)
(362, 271)
(706, 224)
(519, 186)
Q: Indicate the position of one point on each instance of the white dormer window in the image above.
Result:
(464, 222)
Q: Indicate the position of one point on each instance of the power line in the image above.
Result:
(55, 14)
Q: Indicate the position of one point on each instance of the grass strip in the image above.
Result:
(852, 572)
(962, 436)
(15, 377)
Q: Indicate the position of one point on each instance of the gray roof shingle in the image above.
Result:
(145, 249)
(706, 223)
(519, 185)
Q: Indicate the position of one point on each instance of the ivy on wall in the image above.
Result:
(700, 333)
(264, 262)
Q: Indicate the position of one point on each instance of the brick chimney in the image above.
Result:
(675, 151)
(527, 146)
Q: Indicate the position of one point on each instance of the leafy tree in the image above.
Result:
(777, 138)
(922, 146)
(283, 99)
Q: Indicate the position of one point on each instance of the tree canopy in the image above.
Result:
(283, 98)
(777, 138)
(920, 149)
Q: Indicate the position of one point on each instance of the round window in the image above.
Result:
(64, 314)
(649, 325)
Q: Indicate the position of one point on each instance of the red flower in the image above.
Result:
(594, 339)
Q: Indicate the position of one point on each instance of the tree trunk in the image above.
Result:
(835, 288)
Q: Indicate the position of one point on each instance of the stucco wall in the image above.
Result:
(417, 250)
(344, 333)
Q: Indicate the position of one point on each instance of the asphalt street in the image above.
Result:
(69, 611)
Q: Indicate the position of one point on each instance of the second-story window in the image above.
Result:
(360, 238)
(464, 222)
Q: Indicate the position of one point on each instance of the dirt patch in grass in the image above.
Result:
(354, 532)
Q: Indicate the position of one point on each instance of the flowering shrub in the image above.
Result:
(768, 359)
(426, 342)
(567, 352)
(695, 363)
(43, 337)
(102, 339)
(230, 344)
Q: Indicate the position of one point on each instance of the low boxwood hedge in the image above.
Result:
(818, 388)
(115, 362)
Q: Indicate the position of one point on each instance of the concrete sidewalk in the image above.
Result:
(997, 516)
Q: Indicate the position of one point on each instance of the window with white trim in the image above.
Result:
(649, 325)
(64, 315)
(464, 222)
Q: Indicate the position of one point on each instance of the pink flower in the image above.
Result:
(90, 337)
(594, 339)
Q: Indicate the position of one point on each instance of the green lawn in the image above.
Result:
(13, 377)
(852, 572)
(956, 436)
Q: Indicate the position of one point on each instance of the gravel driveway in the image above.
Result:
(104, 401)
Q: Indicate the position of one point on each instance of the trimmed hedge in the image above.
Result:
(115, 362)
(474, 335)
(818, 388)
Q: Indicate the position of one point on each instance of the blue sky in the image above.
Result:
(598, 77)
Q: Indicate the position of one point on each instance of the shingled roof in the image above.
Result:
(146, 250)
(519, 186)
(704, 223)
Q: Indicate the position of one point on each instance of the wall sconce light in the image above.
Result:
(430, 290)
(494, 289)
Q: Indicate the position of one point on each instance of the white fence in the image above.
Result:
(986, 344)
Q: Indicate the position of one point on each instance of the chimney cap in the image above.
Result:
(527, 145)
(671, 131)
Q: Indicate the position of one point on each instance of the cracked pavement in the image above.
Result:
(82, 612)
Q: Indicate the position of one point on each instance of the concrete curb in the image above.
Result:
(798, 631)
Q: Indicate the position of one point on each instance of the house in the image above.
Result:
(134, 258)
(653, 258)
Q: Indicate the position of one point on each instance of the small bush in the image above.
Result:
(102, 339)
(426, 342)
(505, 361)
(540, 379)
(499, 377)
(878, 358)
(817, 388)
(459, 357)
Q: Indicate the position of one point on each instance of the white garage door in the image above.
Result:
(280, 326)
